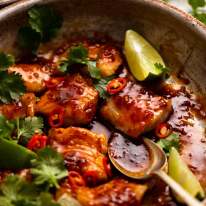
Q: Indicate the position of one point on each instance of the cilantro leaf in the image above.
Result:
(6, 60)
(11, 87)
(29, 39)
(45, 21)
(196, 3)
(93, 70)
(27, 127)
(48, 168)
(15, 191)
(6, 127)
(171, 141)
(43, 24)
(79, 55)
(23, 128)
(45, 199)
(162, 68)
(100, 86)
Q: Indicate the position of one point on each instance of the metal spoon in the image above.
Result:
(158, 161)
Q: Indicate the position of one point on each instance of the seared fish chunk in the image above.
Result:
(136, 110)
(83, 152)
(34, 75)
(24, 108)
(75, 95)
(72, 136)
(108, 60)
(117, 192)
(108, 57)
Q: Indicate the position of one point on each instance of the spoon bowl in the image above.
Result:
(157, 162)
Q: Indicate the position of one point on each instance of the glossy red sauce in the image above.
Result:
(131, 156)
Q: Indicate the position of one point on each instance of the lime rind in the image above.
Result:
(141, 56)
(180, 172)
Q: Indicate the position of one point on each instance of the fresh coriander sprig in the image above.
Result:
(162, 68)
(21, 129)
(79, 55)
(11, 85)
(43, 25)
(6, 60)
(48, 168)
(15, 191)
(27, 127)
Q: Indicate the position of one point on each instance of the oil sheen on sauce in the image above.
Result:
(133, 157)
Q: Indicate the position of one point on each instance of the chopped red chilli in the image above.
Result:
(163, 130)
(116, 85)
(38, 141)
(56, 118)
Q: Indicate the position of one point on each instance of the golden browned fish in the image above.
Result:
(34, 75)
(25, 107)
(83, 152)
(75, 95)
(117, 192)
(135, 110)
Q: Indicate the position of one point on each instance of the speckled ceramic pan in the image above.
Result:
(6, 2)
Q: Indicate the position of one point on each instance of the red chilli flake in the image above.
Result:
(56, 118)
(163, 130)
(116, 85)
(37, 141)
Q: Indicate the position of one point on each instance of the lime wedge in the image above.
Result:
(141, 56)
(180, 172)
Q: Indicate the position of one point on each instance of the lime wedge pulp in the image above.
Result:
(141, 56)
(180, 172)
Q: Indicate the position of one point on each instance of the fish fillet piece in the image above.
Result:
(117, 192)
(33, 75)
(76, 96)
(135, 110)
(83, 151)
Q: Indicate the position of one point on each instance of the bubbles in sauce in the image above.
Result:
(131, 156)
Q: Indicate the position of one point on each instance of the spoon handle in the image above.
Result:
(186, 197)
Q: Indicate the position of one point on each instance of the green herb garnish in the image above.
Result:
(171, 141)
(43, 24)
(48, 168)
(11, 85)
(15, 191)
(162, 68)
(79, 55)
(27, 127)
(6, 60)
(21, 129)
